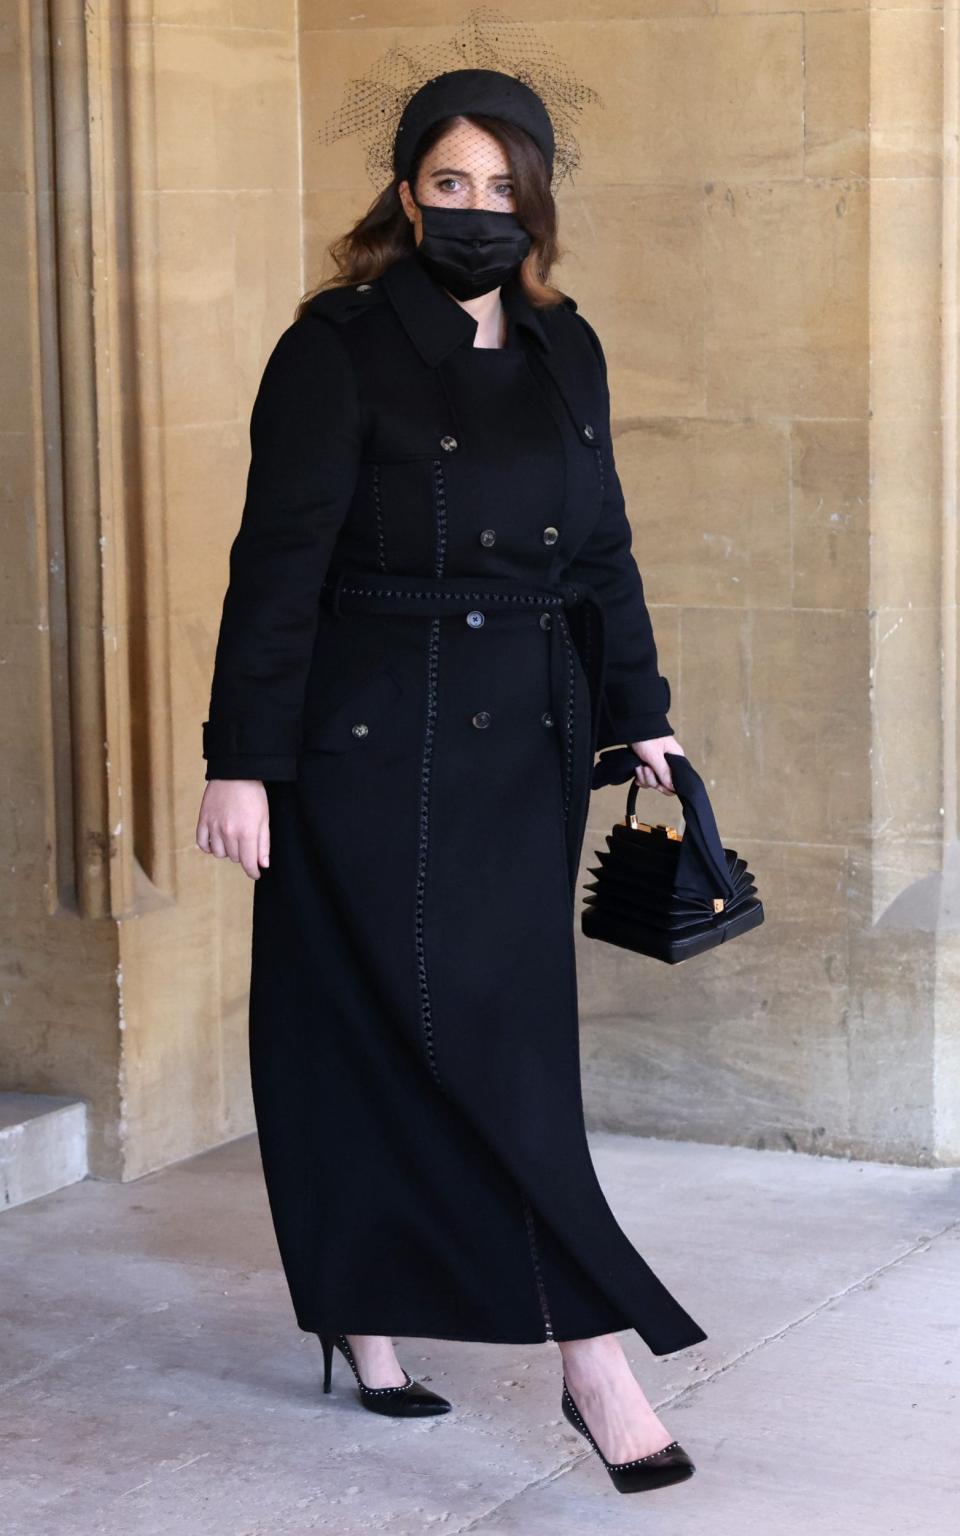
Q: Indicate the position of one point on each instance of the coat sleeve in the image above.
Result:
(305, 442)
(635, 696)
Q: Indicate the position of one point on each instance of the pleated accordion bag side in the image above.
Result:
(660, 892)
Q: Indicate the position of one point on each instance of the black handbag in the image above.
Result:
(660, 892)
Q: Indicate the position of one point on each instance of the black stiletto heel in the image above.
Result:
(410, 1400)
(670, 1464)
(326, 1343)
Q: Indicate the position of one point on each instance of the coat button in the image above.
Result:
(550, 535)
(546, 619)
(481, 719)
(360, 729)
(488, 537)
(588, 432)
(448, 443)
(546, 718)
(364, 287)
(474, 619)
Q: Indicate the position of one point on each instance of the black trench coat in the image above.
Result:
(433, 620)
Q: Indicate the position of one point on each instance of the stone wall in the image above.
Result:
(764, 233)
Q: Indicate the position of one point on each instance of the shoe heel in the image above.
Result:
(326, 1344)
(409, 1400)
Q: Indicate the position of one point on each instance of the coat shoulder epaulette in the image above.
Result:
(345, 300)
(554, 316)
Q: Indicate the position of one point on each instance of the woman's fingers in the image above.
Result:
(662, 770)
(234, 823)
(225, 844)
(247, 847)
(661, 776)
(653, 762)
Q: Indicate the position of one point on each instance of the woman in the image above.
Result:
(433, 621)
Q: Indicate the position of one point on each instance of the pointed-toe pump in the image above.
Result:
(670, 1464)
(409, 1400)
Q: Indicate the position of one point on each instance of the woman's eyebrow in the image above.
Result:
(449, 170)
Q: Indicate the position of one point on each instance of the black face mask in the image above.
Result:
(471, 250)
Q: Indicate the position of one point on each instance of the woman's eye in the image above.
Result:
(453, 184)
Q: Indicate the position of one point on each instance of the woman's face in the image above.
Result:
(466, 168)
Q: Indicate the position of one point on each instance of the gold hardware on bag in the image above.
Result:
(718, 903)
(672, 833)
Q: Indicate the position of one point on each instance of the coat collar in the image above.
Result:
(433, 319)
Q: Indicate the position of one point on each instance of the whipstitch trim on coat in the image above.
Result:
(378, 511)
(600, 469)
(589, 643)
(423, 841)
(426, 1015)
(456, 597)
(440, 507)
(535, 1256)
(571, 697)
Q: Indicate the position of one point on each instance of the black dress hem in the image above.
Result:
(520, 1337)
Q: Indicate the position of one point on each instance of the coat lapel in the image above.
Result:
(437, 324)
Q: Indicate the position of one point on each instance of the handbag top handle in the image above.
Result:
(702, 866)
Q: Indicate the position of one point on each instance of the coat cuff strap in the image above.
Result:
(251, 766)
(236, 737)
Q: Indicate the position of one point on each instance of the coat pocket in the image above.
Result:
(349, 722)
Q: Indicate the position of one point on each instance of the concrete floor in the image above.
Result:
(154, 1381)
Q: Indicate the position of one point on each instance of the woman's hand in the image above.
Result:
(235, 823)
(653, 771)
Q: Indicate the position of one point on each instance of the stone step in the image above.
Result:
(43, 1145)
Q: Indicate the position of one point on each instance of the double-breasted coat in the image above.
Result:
(433, 620)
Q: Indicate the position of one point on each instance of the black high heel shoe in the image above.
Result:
(670, 1464)
(410, 1400)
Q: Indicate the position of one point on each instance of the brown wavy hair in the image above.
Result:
(385, 233)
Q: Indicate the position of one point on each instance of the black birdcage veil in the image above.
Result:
(485, 39)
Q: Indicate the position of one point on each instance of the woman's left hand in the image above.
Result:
(653, 770)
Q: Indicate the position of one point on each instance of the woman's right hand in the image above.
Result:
(234, 823)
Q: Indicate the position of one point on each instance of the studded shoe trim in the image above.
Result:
(370, 1391)
(615, 1466)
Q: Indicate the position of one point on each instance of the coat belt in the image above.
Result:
(578, 620)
